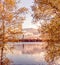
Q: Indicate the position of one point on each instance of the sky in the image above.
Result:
(28, 22)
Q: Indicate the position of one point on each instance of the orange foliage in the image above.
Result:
(10, 2)
(1, 7)
(9, 16)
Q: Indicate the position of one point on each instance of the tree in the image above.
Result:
(11, 18)
(49, 12)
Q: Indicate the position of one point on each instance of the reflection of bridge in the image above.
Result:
(28, 48)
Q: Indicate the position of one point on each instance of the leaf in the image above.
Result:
(10, 2)
(8, 17)
(22, 10)
(1, 7)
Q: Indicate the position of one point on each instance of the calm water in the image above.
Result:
(26, 53)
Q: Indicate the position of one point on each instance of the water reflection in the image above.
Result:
(26, 53)
(3, 59)
(29, 53)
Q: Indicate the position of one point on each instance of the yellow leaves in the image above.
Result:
(10, 2)
(9, 16)
(15, 29)
(55, 3)
(1, 7)
(22, 10)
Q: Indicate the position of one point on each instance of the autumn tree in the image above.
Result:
(48, 11)
(11, 19)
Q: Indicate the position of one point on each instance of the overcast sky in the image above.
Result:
(27, 23)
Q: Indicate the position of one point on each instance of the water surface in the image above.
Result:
(26, 53)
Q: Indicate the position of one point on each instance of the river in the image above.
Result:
(25, 53)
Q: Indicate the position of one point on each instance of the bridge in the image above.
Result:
(29, 40)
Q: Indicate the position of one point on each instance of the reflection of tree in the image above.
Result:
(3, 59)
(6, 61)
(1, 56)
